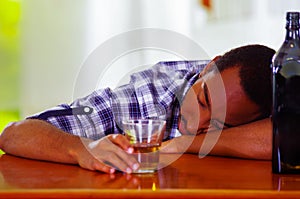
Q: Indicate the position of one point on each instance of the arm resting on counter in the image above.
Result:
(253, 141)
(40, 140)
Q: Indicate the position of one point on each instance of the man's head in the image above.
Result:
(233, 89)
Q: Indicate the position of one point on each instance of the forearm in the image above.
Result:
(39, 140)
(252, 140)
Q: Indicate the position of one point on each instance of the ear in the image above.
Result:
(209, 65)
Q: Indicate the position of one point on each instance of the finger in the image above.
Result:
(104, 168)
(121, 141)
(113, 155)
(124, 143)
(128, 159)
(120, 162)
(98, 165)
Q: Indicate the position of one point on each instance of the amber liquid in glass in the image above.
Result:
(148, 156)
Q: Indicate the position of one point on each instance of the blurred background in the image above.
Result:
(43, 43)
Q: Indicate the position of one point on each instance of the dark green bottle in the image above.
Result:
(286, 100)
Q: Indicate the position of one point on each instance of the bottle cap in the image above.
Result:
(292, 15)
(292, 20)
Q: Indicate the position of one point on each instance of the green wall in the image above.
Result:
(10, 12)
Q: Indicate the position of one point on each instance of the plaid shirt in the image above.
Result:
(153, 93)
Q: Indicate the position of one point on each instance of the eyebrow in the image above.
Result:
(205, 90)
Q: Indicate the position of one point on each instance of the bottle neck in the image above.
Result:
(292, 34)
(292, 29)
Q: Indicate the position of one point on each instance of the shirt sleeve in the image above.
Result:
(150, 93)
(92, 125)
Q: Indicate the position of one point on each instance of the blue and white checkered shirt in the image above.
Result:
(153, 93)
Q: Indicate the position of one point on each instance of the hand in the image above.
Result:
(107, 154)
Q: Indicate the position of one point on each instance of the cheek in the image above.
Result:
(189, 104)
(190, 109)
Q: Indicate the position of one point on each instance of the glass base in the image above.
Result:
(141, 171)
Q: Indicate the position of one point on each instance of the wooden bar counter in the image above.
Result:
(180, 176)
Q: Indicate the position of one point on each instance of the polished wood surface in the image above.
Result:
(180, 176)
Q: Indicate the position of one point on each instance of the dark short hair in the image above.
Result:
(255, 73)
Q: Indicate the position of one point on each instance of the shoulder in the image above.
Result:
(188, 65)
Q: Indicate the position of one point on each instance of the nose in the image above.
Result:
(198, 123)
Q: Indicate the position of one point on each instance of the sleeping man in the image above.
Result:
(230, 94)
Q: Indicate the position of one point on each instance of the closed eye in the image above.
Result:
(206, 94)
(220, 125)
(200, 102)
(203, 98)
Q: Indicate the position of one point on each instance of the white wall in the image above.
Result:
(234, 23)
(53, 47)
(59, 35)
